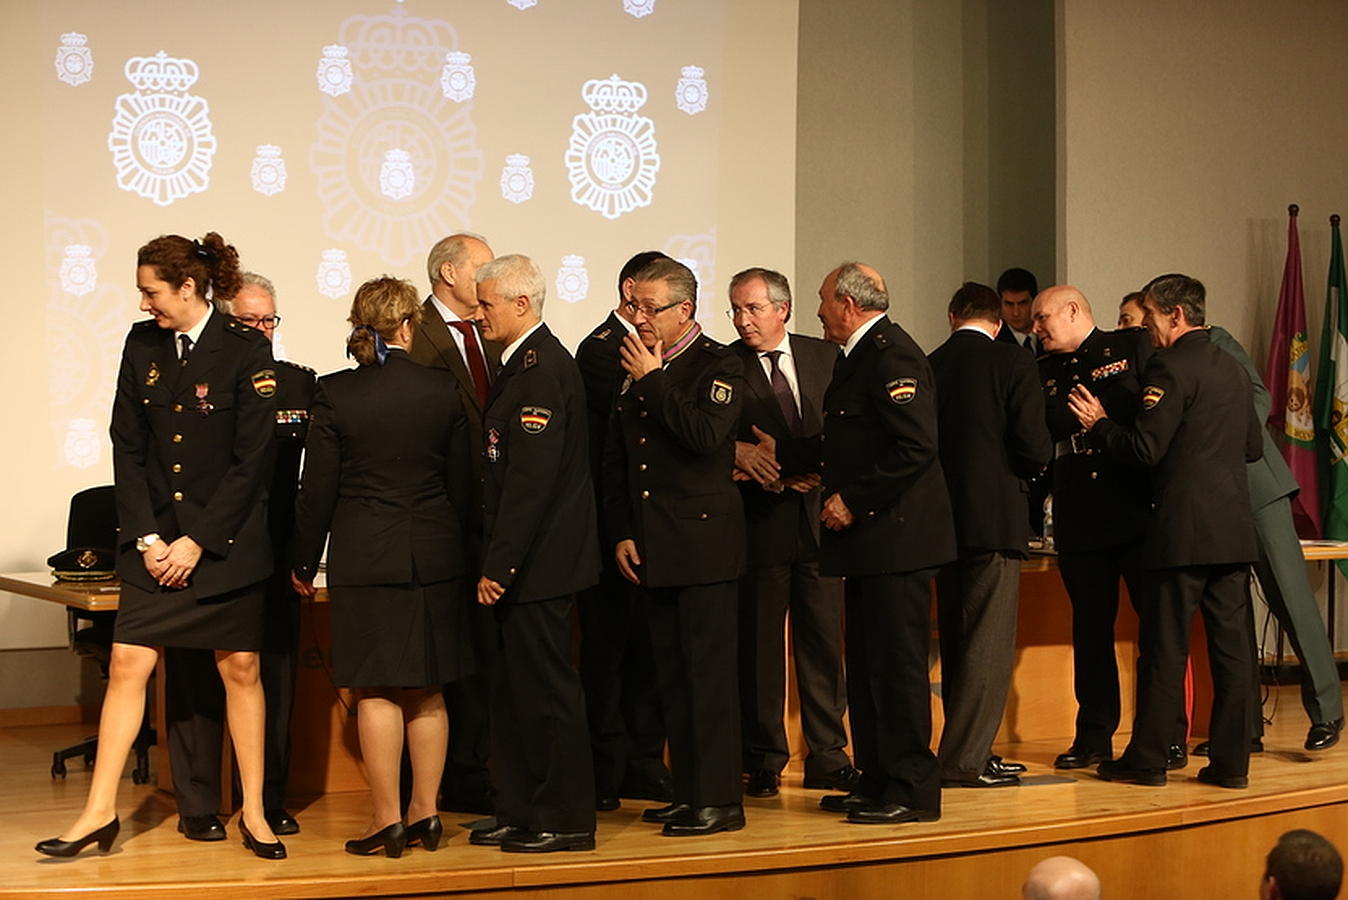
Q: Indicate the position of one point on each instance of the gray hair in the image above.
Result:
(516, 275)
(680, 279)
(864, 290)
(1171, 292)
(226, 305)
(452, 250)
(779, 289)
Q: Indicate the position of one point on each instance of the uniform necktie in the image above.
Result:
(186, 343)
(477, 365)
(782, 391)
(1029, 343)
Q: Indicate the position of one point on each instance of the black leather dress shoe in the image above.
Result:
(762, 783)
(845, 803)
(427, 832)
(608, 803)
(658, 790)
(1208, 776)
(1080, 758)
(201, 828)
(890, 814)
(1114, 770)
(102, 836)
(662, 814)
(1323, 735)
(495, 837)
(705, 820)
(549, 842)
(998, 766)
(1202, 747)
(982, 780)
(281, 822)
(843, 779)
(1176, 757)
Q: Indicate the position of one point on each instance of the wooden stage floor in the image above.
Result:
(1206, 841)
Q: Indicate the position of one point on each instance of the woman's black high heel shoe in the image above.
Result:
(274, 850)
(393, 839)
(427, 831)
(104, 836)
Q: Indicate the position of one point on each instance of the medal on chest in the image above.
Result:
(204, 406)
(493, 440)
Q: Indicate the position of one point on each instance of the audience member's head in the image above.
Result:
(1017, 288)
(1062, 318)
(1061, 878)
(974, 302)
(1302, 866)
(1131, 311)
(452, 267)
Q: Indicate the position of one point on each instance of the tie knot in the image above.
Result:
(461, 325)
(773, 356)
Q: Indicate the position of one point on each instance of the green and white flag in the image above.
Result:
(1331, 395)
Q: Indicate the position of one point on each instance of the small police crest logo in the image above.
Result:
(74, 62)
(690, 94)
(269, 170)
(902, 390)
(161, 139)
(721, 392)
(86, 559)
(638, 8)
(334, 274)
(78, 274)
(533, 419)
(522, 4)
(1151, 395)
(397, 179)
(334, 71)
(517, 179)
(612, 157)
(573, 281)
(457, 79)
(82, 447)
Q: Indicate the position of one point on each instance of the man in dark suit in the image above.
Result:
(541, 546)
(627, 735)
(447, 338)
(194, 694)
(777, 466)
(1196, 430)
(1099, 508)
(1017, 288)
(676, 523)
(889, 529)
(992, 440)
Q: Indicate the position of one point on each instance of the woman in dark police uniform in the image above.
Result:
(386, 470)
(191, 435)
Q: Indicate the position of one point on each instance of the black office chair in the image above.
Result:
(91, 536)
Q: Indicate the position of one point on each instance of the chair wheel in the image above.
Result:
(139, 777)
(88, 760)
(58, 769)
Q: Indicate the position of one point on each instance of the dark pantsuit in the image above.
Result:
(977, 601)
(616, 667)
(693, 639)
(544, 777)
(1167, 607)
(766, 593)
(888, 687)
(1092, 583)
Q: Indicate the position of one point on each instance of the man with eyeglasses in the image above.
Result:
(627, 734)
(777, 466)
(194, 695)
(676, 524)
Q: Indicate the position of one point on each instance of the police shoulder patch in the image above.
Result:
(902, 390)
(1151, 395)
(264, 382)
(533, 419)
(721, 392)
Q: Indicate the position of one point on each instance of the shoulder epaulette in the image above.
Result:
(530, 358)
(295, 365)
(144, 325)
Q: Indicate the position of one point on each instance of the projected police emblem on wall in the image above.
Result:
(517, 179)
(522, 4)
(457, 78)
(573, 282)
(334, 274)
(74, 62)
(269, 170)
(78, 274)
(161, 139)
(612, 159)
(396, 161)
(698, 252)
(690, 94)
(638, 8)
(334, 71)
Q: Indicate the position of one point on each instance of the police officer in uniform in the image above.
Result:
(627, 735)
(541, 545)
(888, 528)
(1099, 507)
(194, 695)
(677, 525)
(1196, 429)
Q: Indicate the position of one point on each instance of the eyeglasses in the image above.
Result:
(650, 312)
(753, 310)
(267, 322)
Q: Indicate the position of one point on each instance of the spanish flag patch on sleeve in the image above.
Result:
(534, 419)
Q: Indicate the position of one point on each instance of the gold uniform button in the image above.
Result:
(645, 495)
(512, 570)
(871, 514)
(177, 495)
(703, 516)
(641, 440)
(641, 414)
(1095, 474)
(230, 541)
(145, 400)
(177, 407)
(177, 439)
(641, 468)
(177, 467)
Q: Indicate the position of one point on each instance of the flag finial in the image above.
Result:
(1334, 220)
(1293, 209)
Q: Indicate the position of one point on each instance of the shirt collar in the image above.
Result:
(445, 312)
(510, 350)
(784, 347)
(631, 329)
(980, 329)
(195, 331)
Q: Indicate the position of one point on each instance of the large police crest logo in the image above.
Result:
(612, 159)
(161, 139)
(74, 62)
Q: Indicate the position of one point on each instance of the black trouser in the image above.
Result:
(468, 704)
